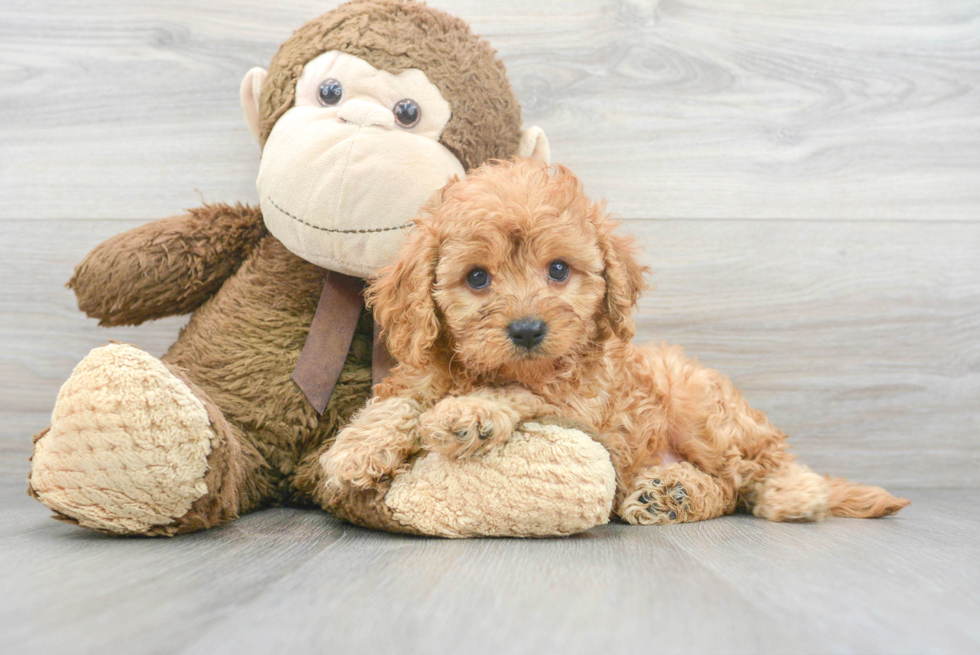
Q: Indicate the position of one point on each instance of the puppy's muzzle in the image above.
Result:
(527, 332)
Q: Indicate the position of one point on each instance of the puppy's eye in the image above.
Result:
(330, 92)
(407, 113)
(558, 271)
(478, 278)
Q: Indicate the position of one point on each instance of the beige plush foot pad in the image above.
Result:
(545, 481)
(128, 445)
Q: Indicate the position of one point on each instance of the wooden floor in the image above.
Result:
(804, 180)
(293, 581)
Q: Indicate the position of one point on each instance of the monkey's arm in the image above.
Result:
(167, 267)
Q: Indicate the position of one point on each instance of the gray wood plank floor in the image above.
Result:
(296, 581)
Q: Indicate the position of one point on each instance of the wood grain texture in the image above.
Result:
(857, 329)
(676, 108)
(300, 581)
(859, 339)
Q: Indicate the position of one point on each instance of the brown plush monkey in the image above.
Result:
(364, 113)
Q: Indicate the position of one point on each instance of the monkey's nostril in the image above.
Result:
(527, 332)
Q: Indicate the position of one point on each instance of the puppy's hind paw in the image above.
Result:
(461, 426)
(677, 492)
(656, 501)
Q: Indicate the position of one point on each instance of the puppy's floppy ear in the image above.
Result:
(623, 275)
(401, 297)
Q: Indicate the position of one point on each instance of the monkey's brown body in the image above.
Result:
(245, 341)
(218, 427)
(242, 341)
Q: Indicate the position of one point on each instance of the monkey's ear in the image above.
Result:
(250, 92)
(534, 145)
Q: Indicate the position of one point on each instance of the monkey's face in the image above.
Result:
(348, 166)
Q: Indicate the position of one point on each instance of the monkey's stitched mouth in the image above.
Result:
(335, 231)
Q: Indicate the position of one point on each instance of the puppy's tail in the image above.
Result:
(859, 501)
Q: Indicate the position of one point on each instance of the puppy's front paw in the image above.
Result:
(460, 426)
(359, 464)
(374, 446)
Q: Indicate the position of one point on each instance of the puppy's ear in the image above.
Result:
(623, 275)
(401, 297)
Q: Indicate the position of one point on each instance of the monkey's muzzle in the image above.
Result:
(341, 194)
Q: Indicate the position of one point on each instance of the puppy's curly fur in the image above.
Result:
(685, 444)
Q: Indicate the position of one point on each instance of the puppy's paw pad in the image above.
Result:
(678, 494)
(657, 502)
(477, 428)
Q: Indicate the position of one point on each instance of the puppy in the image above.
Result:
(512, 299)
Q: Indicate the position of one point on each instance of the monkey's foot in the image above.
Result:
(128, 447)
(545, 480)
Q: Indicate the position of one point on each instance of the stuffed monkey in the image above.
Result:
(363, 114)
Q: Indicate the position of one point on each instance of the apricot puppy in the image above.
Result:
(513, 299)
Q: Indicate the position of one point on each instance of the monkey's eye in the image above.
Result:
(558, 271)
(478, 278)
(330, 92)
(407, 113)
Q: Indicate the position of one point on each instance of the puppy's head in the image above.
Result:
(509, 271)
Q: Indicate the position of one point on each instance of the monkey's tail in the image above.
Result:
(860, 501)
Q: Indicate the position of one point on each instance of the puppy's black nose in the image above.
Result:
(527, 332)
